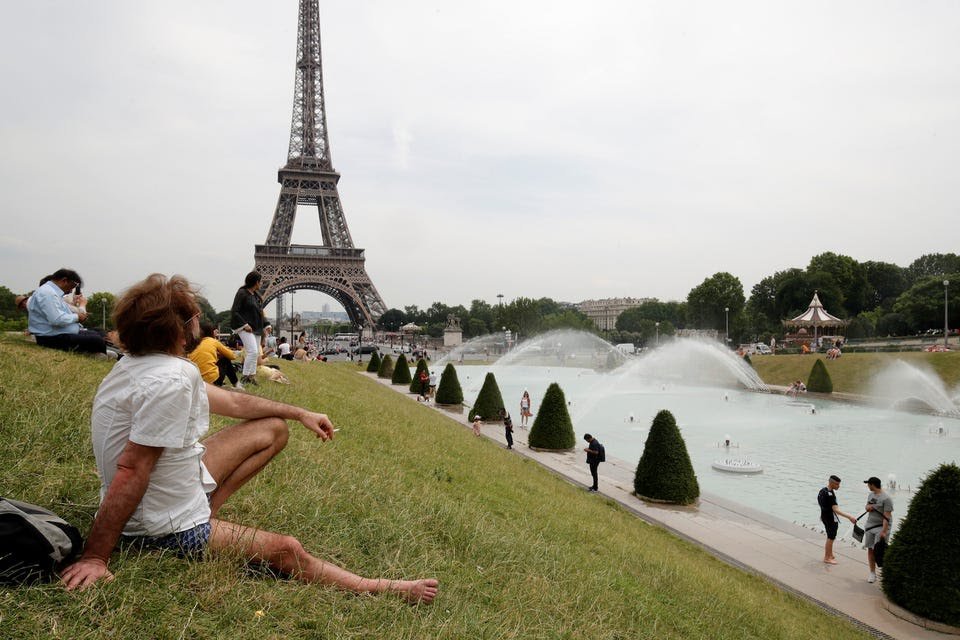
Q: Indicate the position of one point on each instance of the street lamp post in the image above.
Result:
(726, 319)
(657, 325)
(293, 340)
(946, 285)
(500, 304)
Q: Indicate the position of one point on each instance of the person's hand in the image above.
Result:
(84, 573)
(247, 328)
(869, 507)
(852, 519)
(82, 315)
(319, 423)
(80, 300)
(883, 534)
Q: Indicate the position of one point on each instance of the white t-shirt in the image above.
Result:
(156, 400)
(284, 349)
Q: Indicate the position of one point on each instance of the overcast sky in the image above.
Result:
(564, 149)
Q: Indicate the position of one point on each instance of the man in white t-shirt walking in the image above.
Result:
(161, 487)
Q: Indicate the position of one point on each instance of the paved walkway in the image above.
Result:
(787, 554)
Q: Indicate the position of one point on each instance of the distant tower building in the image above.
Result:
(604, 313)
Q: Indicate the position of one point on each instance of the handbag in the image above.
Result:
(857, 531)
(879, 551)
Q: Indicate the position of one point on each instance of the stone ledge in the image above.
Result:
(920, 621)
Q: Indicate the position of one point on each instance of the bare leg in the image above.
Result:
(871, 561)
(286, 554)
(828, 552)
(239, 452)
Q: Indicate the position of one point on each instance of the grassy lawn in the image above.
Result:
(852, 372)
(402, 492)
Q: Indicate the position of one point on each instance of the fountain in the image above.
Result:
(712, 394)
(565, 348)
(910, 388)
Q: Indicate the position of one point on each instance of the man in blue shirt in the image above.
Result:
(54, 324)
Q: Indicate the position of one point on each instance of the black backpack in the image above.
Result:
(34, 543)
(602, 454)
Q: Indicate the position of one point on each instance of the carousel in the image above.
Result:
(816, 318)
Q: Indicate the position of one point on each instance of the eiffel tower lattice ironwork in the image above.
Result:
(336, 267)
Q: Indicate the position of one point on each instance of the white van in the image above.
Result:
(626, 348)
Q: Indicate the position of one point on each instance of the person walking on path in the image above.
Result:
(247, 321)
(424, 385)
(477, 422)
(829, 512)
(595, 455)
(160, 486)
(507, 427)
(879, 509)
(524, 409)
(433, 383)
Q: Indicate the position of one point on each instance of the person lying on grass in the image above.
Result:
(160, 487)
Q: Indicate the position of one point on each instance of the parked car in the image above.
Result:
(365, 348)
(762, 349)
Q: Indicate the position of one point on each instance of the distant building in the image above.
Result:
(604, 313)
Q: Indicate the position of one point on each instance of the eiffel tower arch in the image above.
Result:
(336, 267)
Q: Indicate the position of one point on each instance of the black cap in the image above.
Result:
(873, 481)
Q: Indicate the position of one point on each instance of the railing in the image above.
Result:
(297, 250)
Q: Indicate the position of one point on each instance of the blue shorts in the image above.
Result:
(191, 543)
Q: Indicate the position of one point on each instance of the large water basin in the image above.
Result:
(798, 443)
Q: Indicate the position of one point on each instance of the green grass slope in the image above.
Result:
(401, 492)
(853, 371)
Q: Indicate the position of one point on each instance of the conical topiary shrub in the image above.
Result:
(819, 380)
(664, 472)
(449, 391)
(374, 364)
(552, 428)
(401, 371)
(385, 370)
(921, 570)
(415, 382)
(488, 402)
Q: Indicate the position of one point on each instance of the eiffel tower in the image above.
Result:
(336, 267)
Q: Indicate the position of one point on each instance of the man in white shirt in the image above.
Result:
(161, 488)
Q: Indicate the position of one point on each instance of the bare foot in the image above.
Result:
(417, 591)
(830, 561)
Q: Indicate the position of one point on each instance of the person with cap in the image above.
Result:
(879, 509)
(477, 423)
(829, 510)
(595, 455)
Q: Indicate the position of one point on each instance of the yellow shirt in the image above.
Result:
(205, 356)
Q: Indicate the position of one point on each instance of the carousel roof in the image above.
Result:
(815, 316)
(410, 326)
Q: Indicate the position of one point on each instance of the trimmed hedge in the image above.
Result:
(664, 471)
(489, 401)
(449, 391)
(552, 428)
(415, 381)
(819, 380)
(401, 371)
(386, 367)
(374, 364)
(921, 571)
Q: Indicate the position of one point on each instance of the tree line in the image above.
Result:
(877, 299)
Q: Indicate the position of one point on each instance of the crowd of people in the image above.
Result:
(163, 482)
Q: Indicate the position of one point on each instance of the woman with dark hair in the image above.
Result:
(213, 358)
(247, 320)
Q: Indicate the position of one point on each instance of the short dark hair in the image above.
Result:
(252, 278)
(151, 315)
(835, 478)
(67, 274)
(587, 437)
(206, 329)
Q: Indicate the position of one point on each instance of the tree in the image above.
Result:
(932, 265)
(374, 365)
(552, 428)
(664, 471)
(100, 307)
(921, 565)
(922, 304)
(819, 379)
(893, 324)
(391, 320)
(706, 303)
(386, 367)
(401, 371)
(8, 304)
(489, 401)
(474, 327)
(415, 383)
(850, 278)
(449, 390)
(887, 281)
